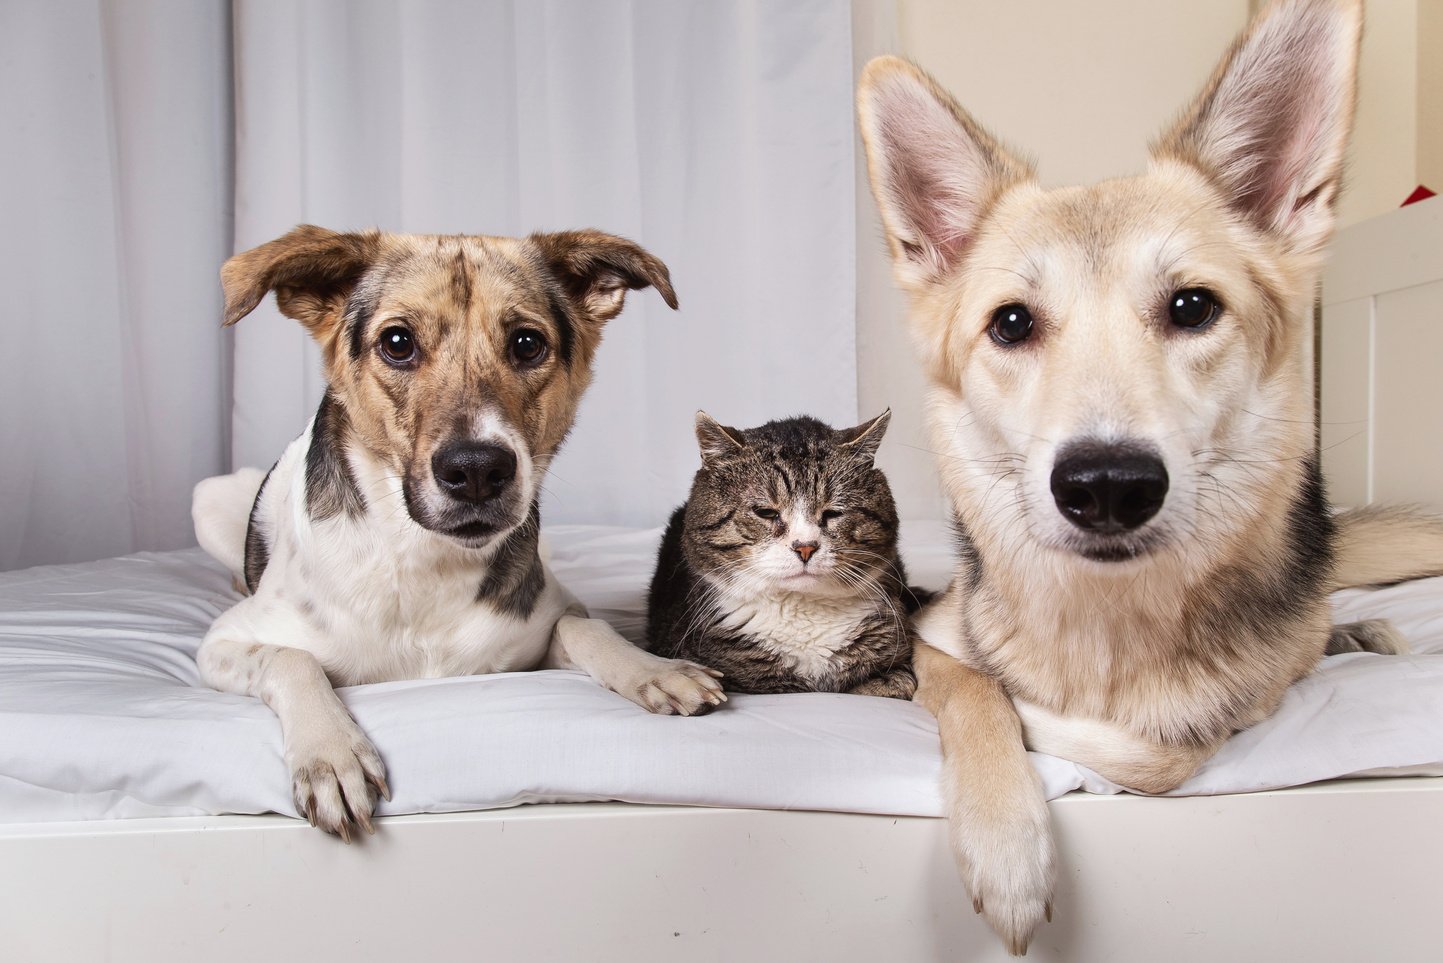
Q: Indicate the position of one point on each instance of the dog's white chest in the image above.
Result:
(401, 614)
(806, 631)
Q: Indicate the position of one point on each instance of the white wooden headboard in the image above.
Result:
(1381, 360)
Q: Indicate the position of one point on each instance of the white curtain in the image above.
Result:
(114, 215)
(718, 135)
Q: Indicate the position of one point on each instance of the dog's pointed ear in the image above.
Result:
(1271, 126)
(597, 269)
(715, 439)
(934, 170)
(864, 438)
(312, 270)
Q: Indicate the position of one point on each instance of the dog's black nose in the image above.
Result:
(473, 472)
(1108, 488)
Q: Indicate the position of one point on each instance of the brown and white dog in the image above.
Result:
(1118, 392)
(397, 537)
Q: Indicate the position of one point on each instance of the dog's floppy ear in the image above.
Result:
(1271, 125)
(865, 438)
(716, 440)
(312, 270)
(597, 269)
(934, 170)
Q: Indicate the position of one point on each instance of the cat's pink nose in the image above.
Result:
(805, 550)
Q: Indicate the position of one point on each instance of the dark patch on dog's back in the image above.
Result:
(258, 550)
(331, 489)
(514, 576)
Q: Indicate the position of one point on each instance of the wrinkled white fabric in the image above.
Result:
(101, 714)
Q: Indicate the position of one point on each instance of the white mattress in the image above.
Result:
(101, 714)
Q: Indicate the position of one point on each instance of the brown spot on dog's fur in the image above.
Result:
(461, 281)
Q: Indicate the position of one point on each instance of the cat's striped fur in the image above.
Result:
(781, 570)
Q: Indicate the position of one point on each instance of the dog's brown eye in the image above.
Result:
(1193, 308)
(770, 514)
(528, 347)
(397, 345)
(1011, 323)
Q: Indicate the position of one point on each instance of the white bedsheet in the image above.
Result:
(101, 713)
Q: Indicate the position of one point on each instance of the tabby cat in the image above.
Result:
(781, 569)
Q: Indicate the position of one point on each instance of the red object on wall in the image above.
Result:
(1422, 193)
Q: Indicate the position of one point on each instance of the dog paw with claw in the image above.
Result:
(1009, 866)
(672, 686)
(337, 781)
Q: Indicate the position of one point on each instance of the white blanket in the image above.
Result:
(102, 715)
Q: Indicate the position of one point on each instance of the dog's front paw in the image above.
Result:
(1008, 863)
(336, 780)
(668, 686)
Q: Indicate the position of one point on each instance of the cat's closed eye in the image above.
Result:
(770, 514)
(830, 515)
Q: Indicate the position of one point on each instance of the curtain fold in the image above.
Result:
(115, 200)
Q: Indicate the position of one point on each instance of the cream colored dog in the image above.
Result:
(1118, 392)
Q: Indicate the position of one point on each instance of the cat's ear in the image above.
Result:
(865, 438)
(716, 440)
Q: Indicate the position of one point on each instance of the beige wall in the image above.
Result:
(1430, 93)
(1082, 86)
(1383, 160)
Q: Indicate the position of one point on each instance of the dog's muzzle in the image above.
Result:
(475, 490)
(1108, 489)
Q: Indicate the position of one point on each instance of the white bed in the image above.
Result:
(813, 838)
(1342, 869)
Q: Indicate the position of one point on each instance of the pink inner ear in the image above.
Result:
(935, 176)
(1275, 127)
(1285, 131)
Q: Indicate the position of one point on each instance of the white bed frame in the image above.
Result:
(1381, 363)
(1339, 871)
